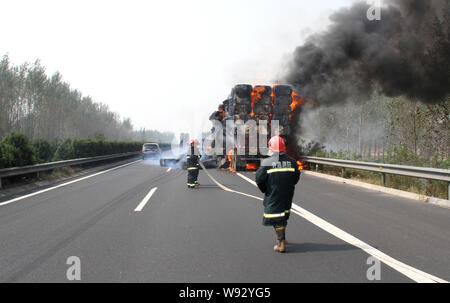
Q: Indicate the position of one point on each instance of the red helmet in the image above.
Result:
(194, 141)
(276, 143)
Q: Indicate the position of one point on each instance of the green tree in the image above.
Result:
(16, 150)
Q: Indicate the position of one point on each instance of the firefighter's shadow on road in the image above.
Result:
(314, 247)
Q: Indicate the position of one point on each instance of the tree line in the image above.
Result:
(46, 107)
(383, 129)
(17, 150)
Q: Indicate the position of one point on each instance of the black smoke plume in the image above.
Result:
(406, 53)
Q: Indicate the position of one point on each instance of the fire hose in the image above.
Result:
(224, 187)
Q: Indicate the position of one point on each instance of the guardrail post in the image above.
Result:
(0, 183)
(343, 172)
(448, 190)
(317, 167)
(383, 179)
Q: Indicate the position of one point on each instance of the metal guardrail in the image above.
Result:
(403, 170)
(22, 170)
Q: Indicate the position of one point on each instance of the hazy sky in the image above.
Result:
(165, 64)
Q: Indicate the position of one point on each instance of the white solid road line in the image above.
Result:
(411, 272)
(146, 199)
(247, 179)
(64, 184)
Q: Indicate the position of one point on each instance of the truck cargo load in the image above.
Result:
(253, 111)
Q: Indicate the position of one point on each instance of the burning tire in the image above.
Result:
(242, 90)
(242, 117)
(242, 109)
(258, 118)
(264, 93)
(282, 100)
(282, 90)
(261, 109)
(238, 101)
(266, 100)
(282, 119)
(239, 108)
(281, 110)
(285, 130)
(241, 94)
(265, 90)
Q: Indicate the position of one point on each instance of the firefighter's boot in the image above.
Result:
(281, 239)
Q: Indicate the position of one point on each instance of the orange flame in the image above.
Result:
(230, 157)
(251, 166)
(301, 165)
(272, 95)
(296, 102)
(256, 96)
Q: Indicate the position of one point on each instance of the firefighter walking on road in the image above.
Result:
(192, 164)
(277, 178)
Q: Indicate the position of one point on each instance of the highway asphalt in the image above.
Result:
(211, 235)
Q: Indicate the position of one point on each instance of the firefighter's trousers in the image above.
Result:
(192, 176)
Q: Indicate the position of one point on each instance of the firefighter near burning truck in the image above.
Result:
(243, 124)
(193, 165)
(276, 178)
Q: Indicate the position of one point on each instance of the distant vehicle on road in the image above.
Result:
(151, 150)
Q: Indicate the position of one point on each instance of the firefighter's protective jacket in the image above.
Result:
(192, 161)
(277, 178)
(193, 168)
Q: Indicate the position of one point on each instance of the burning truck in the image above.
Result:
(247, 120)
